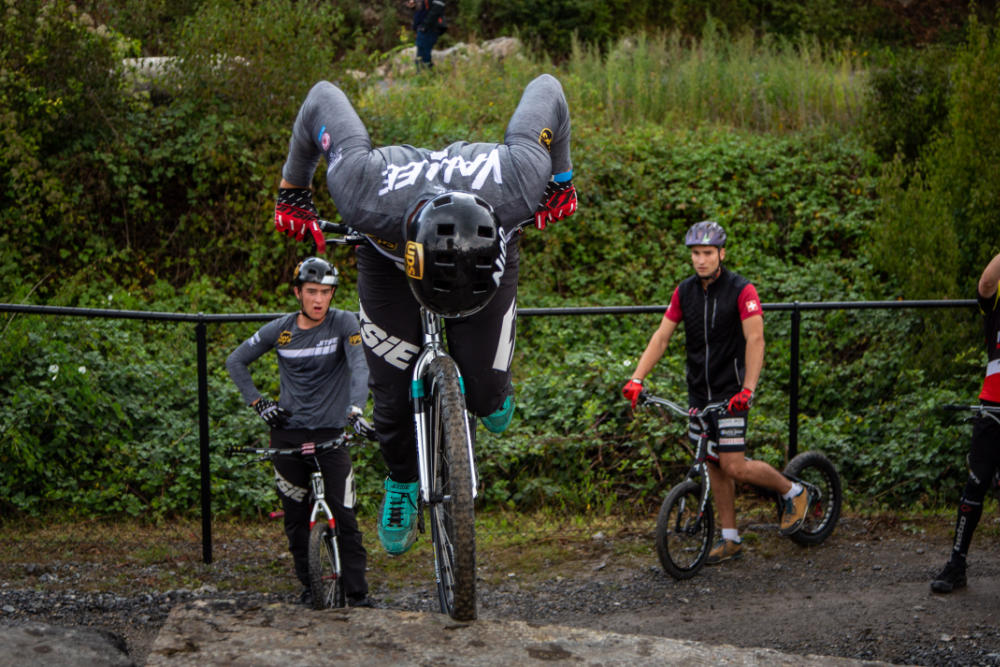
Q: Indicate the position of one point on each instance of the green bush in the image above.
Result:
(907, 103)
(938, 217)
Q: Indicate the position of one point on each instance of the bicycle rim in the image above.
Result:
(451, 507)
(325, 580)
(821, 519)
(683, 538)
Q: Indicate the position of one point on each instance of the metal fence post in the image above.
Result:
(793, 384)
(206, 475)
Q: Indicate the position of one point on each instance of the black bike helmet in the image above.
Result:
(706, 232)
(455, 254)
(315, 270)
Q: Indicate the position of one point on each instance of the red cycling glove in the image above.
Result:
(558, 202)
(295, 214)
(631, 391)
(741, 402)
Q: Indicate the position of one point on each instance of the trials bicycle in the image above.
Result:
(325, 582)
(447, 465)
(685, 526)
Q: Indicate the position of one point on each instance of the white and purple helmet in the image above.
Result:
(706, 232)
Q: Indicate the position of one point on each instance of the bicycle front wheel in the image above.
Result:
(325, 575)
(683, 532)
(452, 513)
(823, 481)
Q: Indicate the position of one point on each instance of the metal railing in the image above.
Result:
(201, 320)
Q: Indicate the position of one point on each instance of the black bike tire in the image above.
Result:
(816, 531)
(688, 492)
(453, 529)
(326, 583)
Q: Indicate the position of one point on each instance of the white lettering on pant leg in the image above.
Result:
(349, 493)
(394, 351)
(505, 345)
(289, 490)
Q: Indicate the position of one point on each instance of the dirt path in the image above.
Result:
(863, 594)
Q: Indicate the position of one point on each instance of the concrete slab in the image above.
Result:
(206, 633)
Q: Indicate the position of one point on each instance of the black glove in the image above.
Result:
(275, 415)
(359, 423)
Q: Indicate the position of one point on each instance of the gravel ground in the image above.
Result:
(863, 594)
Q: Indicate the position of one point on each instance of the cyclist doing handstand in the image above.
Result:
(323, 388)
(725, 354)
(408, 201)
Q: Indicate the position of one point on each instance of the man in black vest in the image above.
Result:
(725, 353)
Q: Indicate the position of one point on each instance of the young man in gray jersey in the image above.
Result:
(526, 176)
(323, 388)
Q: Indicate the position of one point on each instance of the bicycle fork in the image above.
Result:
(432, 348)
(701, 470)
(320, 506)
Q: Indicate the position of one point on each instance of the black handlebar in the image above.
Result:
(712, 408)
(974, 408)
(344, 440)
(346, 235)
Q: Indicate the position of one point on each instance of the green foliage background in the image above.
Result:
(842, 173)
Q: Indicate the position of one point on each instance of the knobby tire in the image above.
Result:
(453, 528)
(683, 540)
(823, 514)
(325, 577)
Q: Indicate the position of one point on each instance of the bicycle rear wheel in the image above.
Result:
(683, 538)
(325, 581)
(821, 476)
(452, 513)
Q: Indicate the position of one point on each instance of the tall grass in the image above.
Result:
(762, 85)
(756, 84)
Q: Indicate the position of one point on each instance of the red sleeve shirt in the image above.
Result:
(749, 304)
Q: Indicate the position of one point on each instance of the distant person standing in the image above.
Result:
(428, 23)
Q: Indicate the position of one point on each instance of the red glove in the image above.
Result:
(631, 391)
(741, 402)
(295, 214)
(558, 202)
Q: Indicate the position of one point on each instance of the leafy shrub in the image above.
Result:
(907, 103)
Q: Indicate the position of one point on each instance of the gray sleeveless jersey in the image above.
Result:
(373, 188)
(323, 370)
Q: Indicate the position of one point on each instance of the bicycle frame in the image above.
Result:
(699, 469)
(316, 483)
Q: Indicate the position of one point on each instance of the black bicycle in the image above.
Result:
(685, 526)
(325, 582)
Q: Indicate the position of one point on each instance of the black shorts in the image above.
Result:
(727, 433)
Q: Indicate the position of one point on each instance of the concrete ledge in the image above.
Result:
(219, 632)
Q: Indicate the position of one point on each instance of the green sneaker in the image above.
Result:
(397, 528)
(500, 420)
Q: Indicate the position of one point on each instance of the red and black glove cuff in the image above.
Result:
(295, 214)
(558, 202)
